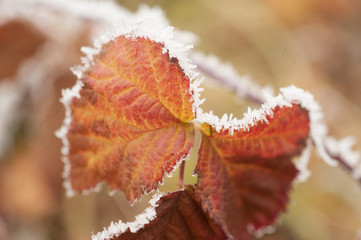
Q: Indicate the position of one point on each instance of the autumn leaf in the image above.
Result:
(130, 124)
(244, 178)
(179, 216)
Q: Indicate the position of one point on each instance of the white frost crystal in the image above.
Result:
(115, 229)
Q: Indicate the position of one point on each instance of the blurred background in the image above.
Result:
(312, 44)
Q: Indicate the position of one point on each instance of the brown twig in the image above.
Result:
(181, 175)
(229, 83)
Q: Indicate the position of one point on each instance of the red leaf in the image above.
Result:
(179, 216)
(129, 125)
(244, 178)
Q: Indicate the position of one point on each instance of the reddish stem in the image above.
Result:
(181, 175)
(343, 162)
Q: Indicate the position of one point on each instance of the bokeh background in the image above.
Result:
(313, 44)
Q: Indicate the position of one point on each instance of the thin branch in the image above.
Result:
(348, 159)
(226, 75)
(181, 175)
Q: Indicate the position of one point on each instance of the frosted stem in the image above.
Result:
(181, 175)
(341, 161)
(226, 76)
(347, 162)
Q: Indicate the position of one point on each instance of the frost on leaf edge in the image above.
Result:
(287, 96)
(327, 147)
(153, 30)
(330, 150)
(116, 229)
(149, 214)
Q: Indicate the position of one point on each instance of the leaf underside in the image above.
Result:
(244, 178)
(179, 216)
(129, 125)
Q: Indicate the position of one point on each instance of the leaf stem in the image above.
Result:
(181, 175)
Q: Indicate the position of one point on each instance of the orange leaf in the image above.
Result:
(244, 178)
(129, 125)
(179, 216)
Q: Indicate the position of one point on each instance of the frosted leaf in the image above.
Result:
(326, 147)
(288, 95)
(225, 74)
(146, 22)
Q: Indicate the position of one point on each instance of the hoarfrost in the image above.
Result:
(263, 230)
(115, 229)
(250, 118)
(225, 74)
(342, 149)
(328, 148)
(179, 162)
(151, 24)
(154, 31)
(289, 95)
(68, 95)
(302, 162)
(318, 129)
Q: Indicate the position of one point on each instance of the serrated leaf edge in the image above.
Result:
(116, 229)
(287, 96)
(147, 28)
(332, 151)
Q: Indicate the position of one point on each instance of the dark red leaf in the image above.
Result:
(244, 178)
(179, 216)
